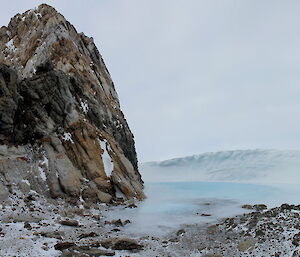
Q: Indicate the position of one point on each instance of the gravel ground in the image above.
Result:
(32, 226)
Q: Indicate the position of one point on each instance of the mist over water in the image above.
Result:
(172, 204)
(187, 190)
(247, 166)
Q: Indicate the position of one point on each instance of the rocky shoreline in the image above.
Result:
(33, 226)
(271, 232)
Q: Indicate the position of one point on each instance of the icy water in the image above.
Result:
(172, 204)
(190, 192)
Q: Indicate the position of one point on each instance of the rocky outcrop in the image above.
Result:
(62, 132)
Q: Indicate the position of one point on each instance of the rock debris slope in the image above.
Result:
(62, 132)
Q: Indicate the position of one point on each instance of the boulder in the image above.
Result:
(91, 234)
(121, 244)
(63, 245)
(72, 223)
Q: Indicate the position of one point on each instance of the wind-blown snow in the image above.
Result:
(251, 166)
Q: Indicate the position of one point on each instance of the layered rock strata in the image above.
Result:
(62, 132)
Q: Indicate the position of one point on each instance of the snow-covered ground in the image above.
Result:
(186, 198)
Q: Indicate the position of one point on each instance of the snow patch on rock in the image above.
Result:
(44, 163)
(107, 161)
(25, 181)
(67, 137)
(84, 106)
(10, 45)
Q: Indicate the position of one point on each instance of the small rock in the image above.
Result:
(117, 223)
(96, 216)
(27, 225)
(29, 198)
(257, 207)
(180, 232)
(259, 232)
(296, 240)
(131, 206)
(87, 205)
(92, 234)
(72, 223)
(126, 222)
(260, 207)
(121, 244)
(45, 248)
(81, 247)
(174, 240)
(296, 253)
(63, 245)
(55, 234)
(285, 206)
(247, 206)
(97, 252)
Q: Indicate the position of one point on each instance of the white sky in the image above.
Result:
(193, 75)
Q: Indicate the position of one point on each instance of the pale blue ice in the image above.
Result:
(179, 191)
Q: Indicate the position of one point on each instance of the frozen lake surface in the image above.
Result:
(180, 190)
(172, 204)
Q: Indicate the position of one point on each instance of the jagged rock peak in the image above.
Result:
(62, 132)
(41, 35)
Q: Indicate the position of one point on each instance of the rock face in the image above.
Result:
(62, 132)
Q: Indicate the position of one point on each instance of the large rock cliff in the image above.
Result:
(62, 132)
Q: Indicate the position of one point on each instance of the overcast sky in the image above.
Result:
(195, 76)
